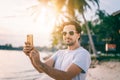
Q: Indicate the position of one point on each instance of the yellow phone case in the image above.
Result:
(30, 39)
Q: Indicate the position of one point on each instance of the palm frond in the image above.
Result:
(70, 7)
(59, 4)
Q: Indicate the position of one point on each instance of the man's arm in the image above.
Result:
(48, 62)
(27, 50)
(70, 72)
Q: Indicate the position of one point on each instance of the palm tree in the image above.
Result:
(71, 7)
(81, 6)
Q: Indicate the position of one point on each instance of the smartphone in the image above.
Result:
(30, 39)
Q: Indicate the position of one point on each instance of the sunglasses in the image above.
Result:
(70, 33)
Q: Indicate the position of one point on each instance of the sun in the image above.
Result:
(45, 19)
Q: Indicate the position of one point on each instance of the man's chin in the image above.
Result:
(69, 44)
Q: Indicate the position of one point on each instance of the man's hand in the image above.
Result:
(33, 55)
(31, 52)
(27, 48)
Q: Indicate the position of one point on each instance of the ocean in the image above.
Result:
(15, 65)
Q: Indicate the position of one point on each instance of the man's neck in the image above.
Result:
(73, 47)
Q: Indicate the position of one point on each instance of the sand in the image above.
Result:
(105, 71)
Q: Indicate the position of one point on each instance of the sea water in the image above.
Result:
(15, 65)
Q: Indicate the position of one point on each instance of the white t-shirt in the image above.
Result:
(80, 57)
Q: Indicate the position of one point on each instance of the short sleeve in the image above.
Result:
(83, 60)
(54, 56)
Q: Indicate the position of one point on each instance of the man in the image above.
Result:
(69, 64)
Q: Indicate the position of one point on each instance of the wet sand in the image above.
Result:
(105, 71)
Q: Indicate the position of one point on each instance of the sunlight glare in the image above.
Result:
(44, 25)
(45, 20)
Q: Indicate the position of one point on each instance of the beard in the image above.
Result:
(69, 42)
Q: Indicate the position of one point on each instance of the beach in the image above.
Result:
(109, 70)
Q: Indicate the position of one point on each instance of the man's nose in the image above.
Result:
(67, 35)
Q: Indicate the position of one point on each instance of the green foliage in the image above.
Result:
(57, 37)
(108, 28)
(91, 27)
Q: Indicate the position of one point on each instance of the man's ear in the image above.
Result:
(78, 35)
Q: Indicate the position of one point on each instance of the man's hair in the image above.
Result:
(77, 26)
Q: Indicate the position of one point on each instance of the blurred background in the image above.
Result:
(100, 22)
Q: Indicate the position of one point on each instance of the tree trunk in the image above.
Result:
(89, 36)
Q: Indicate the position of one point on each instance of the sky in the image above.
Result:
(16, 21)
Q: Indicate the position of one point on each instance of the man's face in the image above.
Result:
(70, 35)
